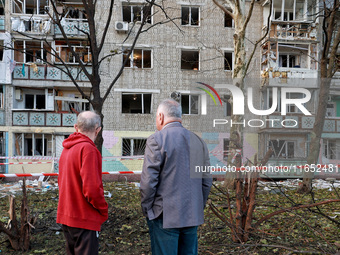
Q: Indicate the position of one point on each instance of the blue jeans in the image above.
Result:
(172, 241)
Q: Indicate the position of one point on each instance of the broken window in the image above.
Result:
(329, 149)
(189, 104)
(31, 51)
(64, 53)
(136, 103)
(228, 20)
(227, 105)
(331, 109)
(190, 16)
(287, 60)
(35, 99)
(228, 61)
(135, 13)
(190, 60)
(2, 7)
(30, 6)
(32, 144)
(297, 10)
(1, 97)
(133, 146)
(72, 102)
(139, 58)
(226, 148)
(282, 148)
(1, 50)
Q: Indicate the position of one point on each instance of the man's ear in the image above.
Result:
(76, 127)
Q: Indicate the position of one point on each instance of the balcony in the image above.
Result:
(2, 23)
(45, 72)
(298, 122)
(34, 24)
(72, 27)
(292, 77)
(294, 31)
(44, 119)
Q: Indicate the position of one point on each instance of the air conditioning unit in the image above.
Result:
(121, 26)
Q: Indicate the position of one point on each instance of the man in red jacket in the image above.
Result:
(82, 208)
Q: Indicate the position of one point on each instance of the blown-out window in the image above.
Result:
(135, 13)
(32, 144)
(190, 104)
(139, 58)
(190, 60)
(190, 15)
(136, 103)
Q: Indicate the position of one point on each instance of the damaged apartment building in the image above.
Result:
(39, 103)
(290, 57)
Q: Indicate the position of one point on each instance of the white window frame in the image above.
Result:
(199, 15)
(190, 103)
(141, 11)
(58, 50)
(25, 48)
(232, 60)
(48, 137)
(23, 6)
(49, 98)
(132, 58)
(142, 101)
(199, 59)
(330, 148)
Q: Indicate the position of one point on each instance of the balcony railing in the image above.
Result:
(45, 72)
(38, 24)
(293, 30)
(298, 122)
(51, 119)
(2, 22)
(72, 27)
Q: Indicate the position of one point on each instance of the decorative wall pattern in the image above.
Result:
(37, 119)
(53, 119)
(20, 118)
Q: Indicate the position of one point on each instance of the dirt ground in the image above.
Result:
(126, 231)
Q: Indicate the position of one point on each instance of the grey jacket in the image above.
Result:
(169, 183)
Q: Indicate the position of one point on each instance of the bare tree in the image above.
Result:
(328, 66)
(245, 187)
(99, 24)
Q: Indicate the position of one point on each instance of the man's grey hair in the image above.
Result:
(171, 108)
(88, 121)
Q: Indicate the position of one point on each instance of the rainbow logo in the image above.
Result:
(204, 102)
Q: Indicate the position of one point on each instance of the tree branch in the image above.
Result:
(265, 218)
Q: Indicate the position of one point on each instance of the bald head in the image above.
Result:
(88, 121)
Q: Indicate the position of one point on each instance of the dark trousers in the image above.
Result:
(81, 241)
(172, 241)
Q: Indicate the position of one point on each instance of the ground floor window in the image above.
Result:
(133, 146)
(31, 144)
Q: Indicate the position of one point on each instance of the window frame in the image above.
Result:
(328, 151)
(132, 62)
(283, 150)
(225, 61)
(190, 16)
(149, 20)
(190, 103)
(131, 144)
(45, 140)
(193, 65)
(142, 102)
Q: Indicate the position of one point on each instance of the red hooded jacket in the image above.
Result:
(81, 194)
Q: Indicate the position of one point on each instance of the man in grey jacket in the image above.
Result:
(173, 192)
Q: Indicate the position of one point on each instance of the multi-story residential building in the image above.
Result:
(39, 103)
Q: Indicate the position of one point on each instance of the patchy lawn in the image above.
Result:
(126, 231)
